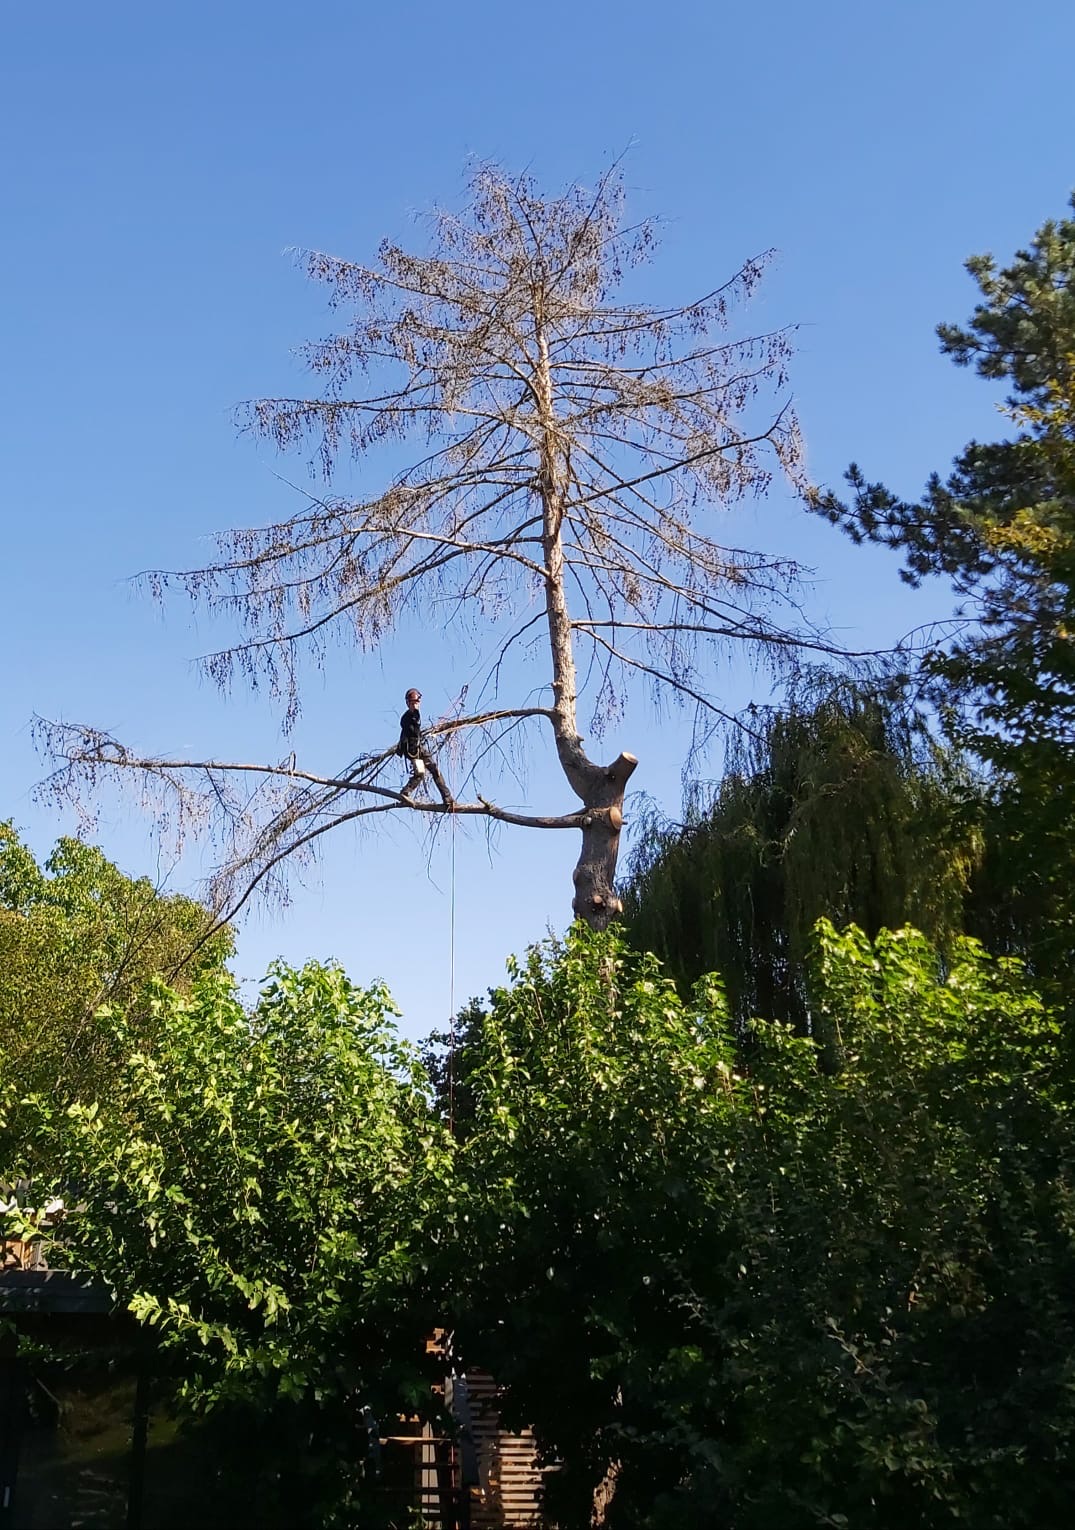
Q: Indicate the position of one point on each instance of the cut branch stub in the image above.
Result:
(595, 898)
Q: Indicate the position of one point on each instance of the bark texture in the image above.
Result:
(595, 874)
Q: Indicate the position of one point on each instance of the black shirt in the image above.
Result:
(410, 732)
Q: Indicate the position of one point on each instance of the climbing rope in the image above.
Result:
(451, 990)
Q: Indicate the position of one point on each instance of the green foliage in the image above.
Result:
(594, 1090)
(841, 806)
(258, 1189)
(732, 1283)
(76, 934)
(790, 1296)
(1001, 527)
(1003, 524)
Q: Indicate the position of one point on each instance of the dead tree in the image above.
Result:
(572, 453)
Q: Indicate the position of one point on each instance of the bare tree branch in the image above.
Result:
(562, 442)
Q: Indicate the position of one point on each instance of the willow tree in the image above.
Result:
(568, 452)
(838, 805)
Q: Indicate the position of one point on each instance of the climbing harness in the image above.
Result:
(410, 734)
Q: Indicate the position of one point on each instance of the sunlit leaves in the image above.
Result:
(76, 934)
(785, 1281)
(255, 1184)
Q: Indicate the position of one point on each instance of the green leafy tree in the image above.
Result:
(787, 1296)
(593, 1100)
(1001, 527)
(260, 1190)
(904, 1327)
(838, 805)
(75, 934)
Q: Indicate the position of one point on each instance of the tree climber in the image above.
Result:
(413, 748)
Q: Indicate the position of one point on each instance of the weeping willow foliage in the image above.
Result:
(841, 806)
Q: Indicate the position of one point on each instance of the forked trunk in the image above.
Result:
(595, 875)
(600, 788)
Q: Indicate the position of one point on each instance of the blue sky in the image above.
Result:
(159, 160)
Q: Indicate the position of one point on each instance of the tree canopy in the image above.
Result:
(764, 1286)
(751, 1279)
(76, 934)
(839, 804)
(568, 451)
(1001, 527)
(262, 1190)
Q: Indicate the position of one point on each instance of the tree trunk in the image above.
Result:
(600, 788)
(595, 875)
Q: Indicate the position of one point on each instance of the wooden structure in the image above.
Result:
(510, 1479)
(477, 1476)
(481, 1477)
